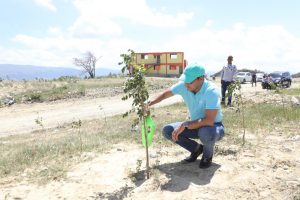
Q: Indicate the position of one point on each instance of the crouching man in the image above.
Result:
(202, 99)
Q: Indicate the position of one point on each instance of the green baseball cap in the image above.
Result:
(191, 73)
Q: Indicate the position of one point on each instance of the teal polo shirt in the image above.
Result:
(207, 98)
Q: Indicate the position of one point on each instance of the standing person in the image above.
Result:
(202, 99)
(228, 73)
(253, 78)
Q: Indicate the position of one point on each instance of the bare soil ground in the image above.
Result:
(270, 169)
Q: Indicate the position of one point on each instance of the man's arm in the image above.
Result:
(222, 74)
(209, 120)
(164, 95)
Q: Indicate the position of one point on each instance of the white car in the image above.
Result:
(259, 77)
(243, 77)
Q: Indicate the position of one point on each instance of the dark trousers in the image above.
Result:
(253, 81)
(225, 85)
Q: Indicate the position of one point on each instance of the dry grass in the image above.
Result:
(66, 88)
(48, 154)
(293, 92)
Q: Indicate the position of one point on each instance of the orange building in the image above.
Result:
(168, 64)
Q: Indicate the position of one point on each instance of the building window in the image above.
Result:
(173, 56)
(144, 56)
(156, 56)
(172, 67)
(156, 67)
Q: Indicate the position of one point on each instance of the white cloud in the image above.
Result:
(101, 16)
(58, 50)
(208, 23)
(94, 26)
(46, 3)
(266, 48)
(55, 31)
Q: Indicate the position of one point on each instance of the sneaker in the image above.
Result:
(229, 105)
(205, 162)
(193, 157)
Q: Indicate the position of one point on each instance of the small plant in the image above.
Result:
(102, 109)
(135, 175)
(138, 165)
(235, 90)
(39, 122)
(135, 87)
(77, 124)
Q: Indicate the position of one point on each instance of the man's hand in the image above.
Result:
(146, 108)
(177, 132)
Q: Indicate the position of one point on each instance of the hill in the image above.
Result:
(30, 72)
(297, 75)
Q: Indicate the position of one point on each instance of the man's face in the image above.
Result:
(194, 85)
(230, 59)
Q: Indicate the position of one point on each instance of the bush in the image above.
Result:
(34, 97)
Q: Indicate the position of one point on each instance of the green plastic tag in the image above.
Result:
(150, 128)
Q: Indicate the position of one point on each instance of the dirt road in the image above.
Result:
(20, 118)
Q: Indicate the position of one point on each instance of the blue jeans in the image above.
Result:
(208, 136)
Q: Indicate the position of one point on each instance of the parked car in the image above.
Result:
(282, 79)
(243, 77)
(259, 77)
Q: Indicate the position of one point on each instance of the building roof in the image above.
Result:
(159, 52)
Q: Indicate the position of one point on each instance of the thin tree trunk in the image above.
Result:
(147, 155)
(243, 117)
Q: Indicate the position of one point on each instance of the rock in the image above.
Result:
(8, 100)
(257, 168)
(134, 128)
(295, 101)
(230, 150)
(295, 138)
(153, 155)
(286, 149)
(265, 193)
(293, 183)
(247, 154)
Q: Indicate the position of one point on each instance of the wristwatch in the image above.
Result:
(186, 125)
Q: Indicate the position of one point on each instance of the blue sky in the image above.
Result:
(260, 34)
